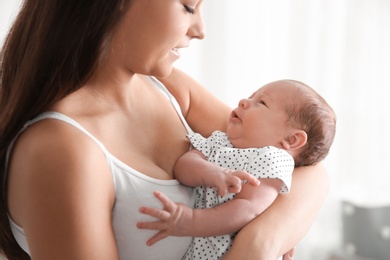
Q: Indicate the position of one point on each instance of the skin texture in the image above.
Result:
(59, 182)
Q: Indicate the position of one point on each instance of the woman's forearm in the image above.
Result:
(286, 221)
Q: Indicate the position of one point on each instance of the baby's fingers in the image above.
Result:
(157, 213)
(248, 178)
(231, 184)
(159, 236)
(222, 190)
(157, 225)
(168, 204)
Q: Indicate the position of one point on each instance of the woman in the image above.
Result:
(103, 135)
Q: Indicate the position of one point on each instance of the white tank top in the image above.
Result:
(132, 190)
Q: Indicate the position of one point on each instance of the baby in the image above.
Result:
(238, 174)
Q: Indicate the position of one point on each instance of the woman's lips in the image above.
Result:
(176, 51)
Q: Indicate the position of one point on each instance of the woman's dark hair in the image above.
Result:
(51, 50)
(313, 115)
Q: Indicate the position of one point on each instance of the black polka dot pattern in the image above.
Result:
(266, 162)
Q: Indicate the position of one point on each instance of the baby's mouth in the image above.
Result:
(234, 115)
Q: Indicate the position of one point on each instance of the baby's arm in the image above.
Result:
(176, 219)
(192, 169)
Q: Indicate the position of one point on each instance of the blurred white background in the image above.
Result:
(339, 47)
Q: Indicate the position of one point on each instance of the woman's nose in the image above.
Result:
(197, 28)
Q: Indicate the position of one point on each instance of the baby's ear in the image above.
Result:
(296, 140)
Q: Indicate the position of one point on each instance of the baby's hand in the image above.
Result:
(232, 181)
(171, 220)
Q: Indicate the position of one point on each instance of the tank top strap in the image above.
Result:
(66, 119)
(57, 116)
(156, 83)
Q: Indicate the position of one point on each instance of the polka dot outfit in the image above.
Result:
(266, 162)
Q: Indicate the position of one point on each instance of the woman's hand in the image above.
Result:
(286, 221)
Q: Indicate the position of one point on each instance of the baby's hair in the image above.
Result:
(314, 116)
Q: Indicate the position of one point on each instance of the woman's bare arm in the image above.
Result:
(62, 195)
(286, 221)
(204, 112)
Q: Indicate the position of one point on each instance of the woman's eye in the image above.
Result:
(189, 9)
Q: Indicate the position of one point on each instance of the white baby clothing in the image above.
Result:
(266, 162)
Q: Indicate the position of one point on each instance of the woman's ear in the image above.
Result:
(296, 140)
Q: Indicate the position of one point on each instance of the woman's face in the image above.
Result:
(151, 33)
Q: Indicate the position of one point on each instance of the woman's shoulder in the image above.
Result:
(55, 151)
(51, 138)
(57, 172)
(203, 110)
